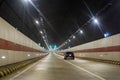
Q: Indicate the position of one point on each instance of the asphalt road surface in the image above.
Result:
(54, 67)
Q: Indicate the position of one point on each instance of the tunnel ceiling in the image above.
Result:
(60, 19)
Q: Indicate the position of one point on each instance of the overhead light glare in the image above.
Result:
(36, 21)
(81, 31)
(106, 34)
(27, 1)
(74, 37)
(69, 40)
(41, 32)
(95, 20)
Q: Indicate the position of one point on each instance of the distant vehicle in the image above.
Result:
(69, 56)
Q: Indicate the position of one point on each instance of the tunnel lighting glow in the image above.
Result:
(106, 34)
(69, 40)
(65, 42)
(52, 47)
(55, 46)
(3, 57)
(74, 37)
(36, 21)
(81, 31)
(27, 1)
(41, 32)
(28, 55)
(95, 20)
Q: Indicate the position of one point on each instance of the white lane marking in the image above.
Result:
(97, 76)
(24, 71)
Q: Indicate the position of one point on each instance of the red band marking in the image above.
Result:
(7, 45)
(103, 49)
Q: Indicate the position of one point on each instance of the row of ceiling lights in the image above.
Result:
(37, 22)
(93, 19)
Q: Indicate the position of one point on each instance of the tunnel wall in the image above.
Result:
(15, 46)
(106, 48)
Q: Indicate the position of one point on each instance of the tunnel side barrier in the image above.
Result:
(16, 49)
(10, 68)
(104, 50)
(97, 60)
(15, 46)
(101, 60)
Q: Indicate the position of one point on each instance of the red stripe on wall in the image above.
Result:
(103, 49)
(7, 45)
